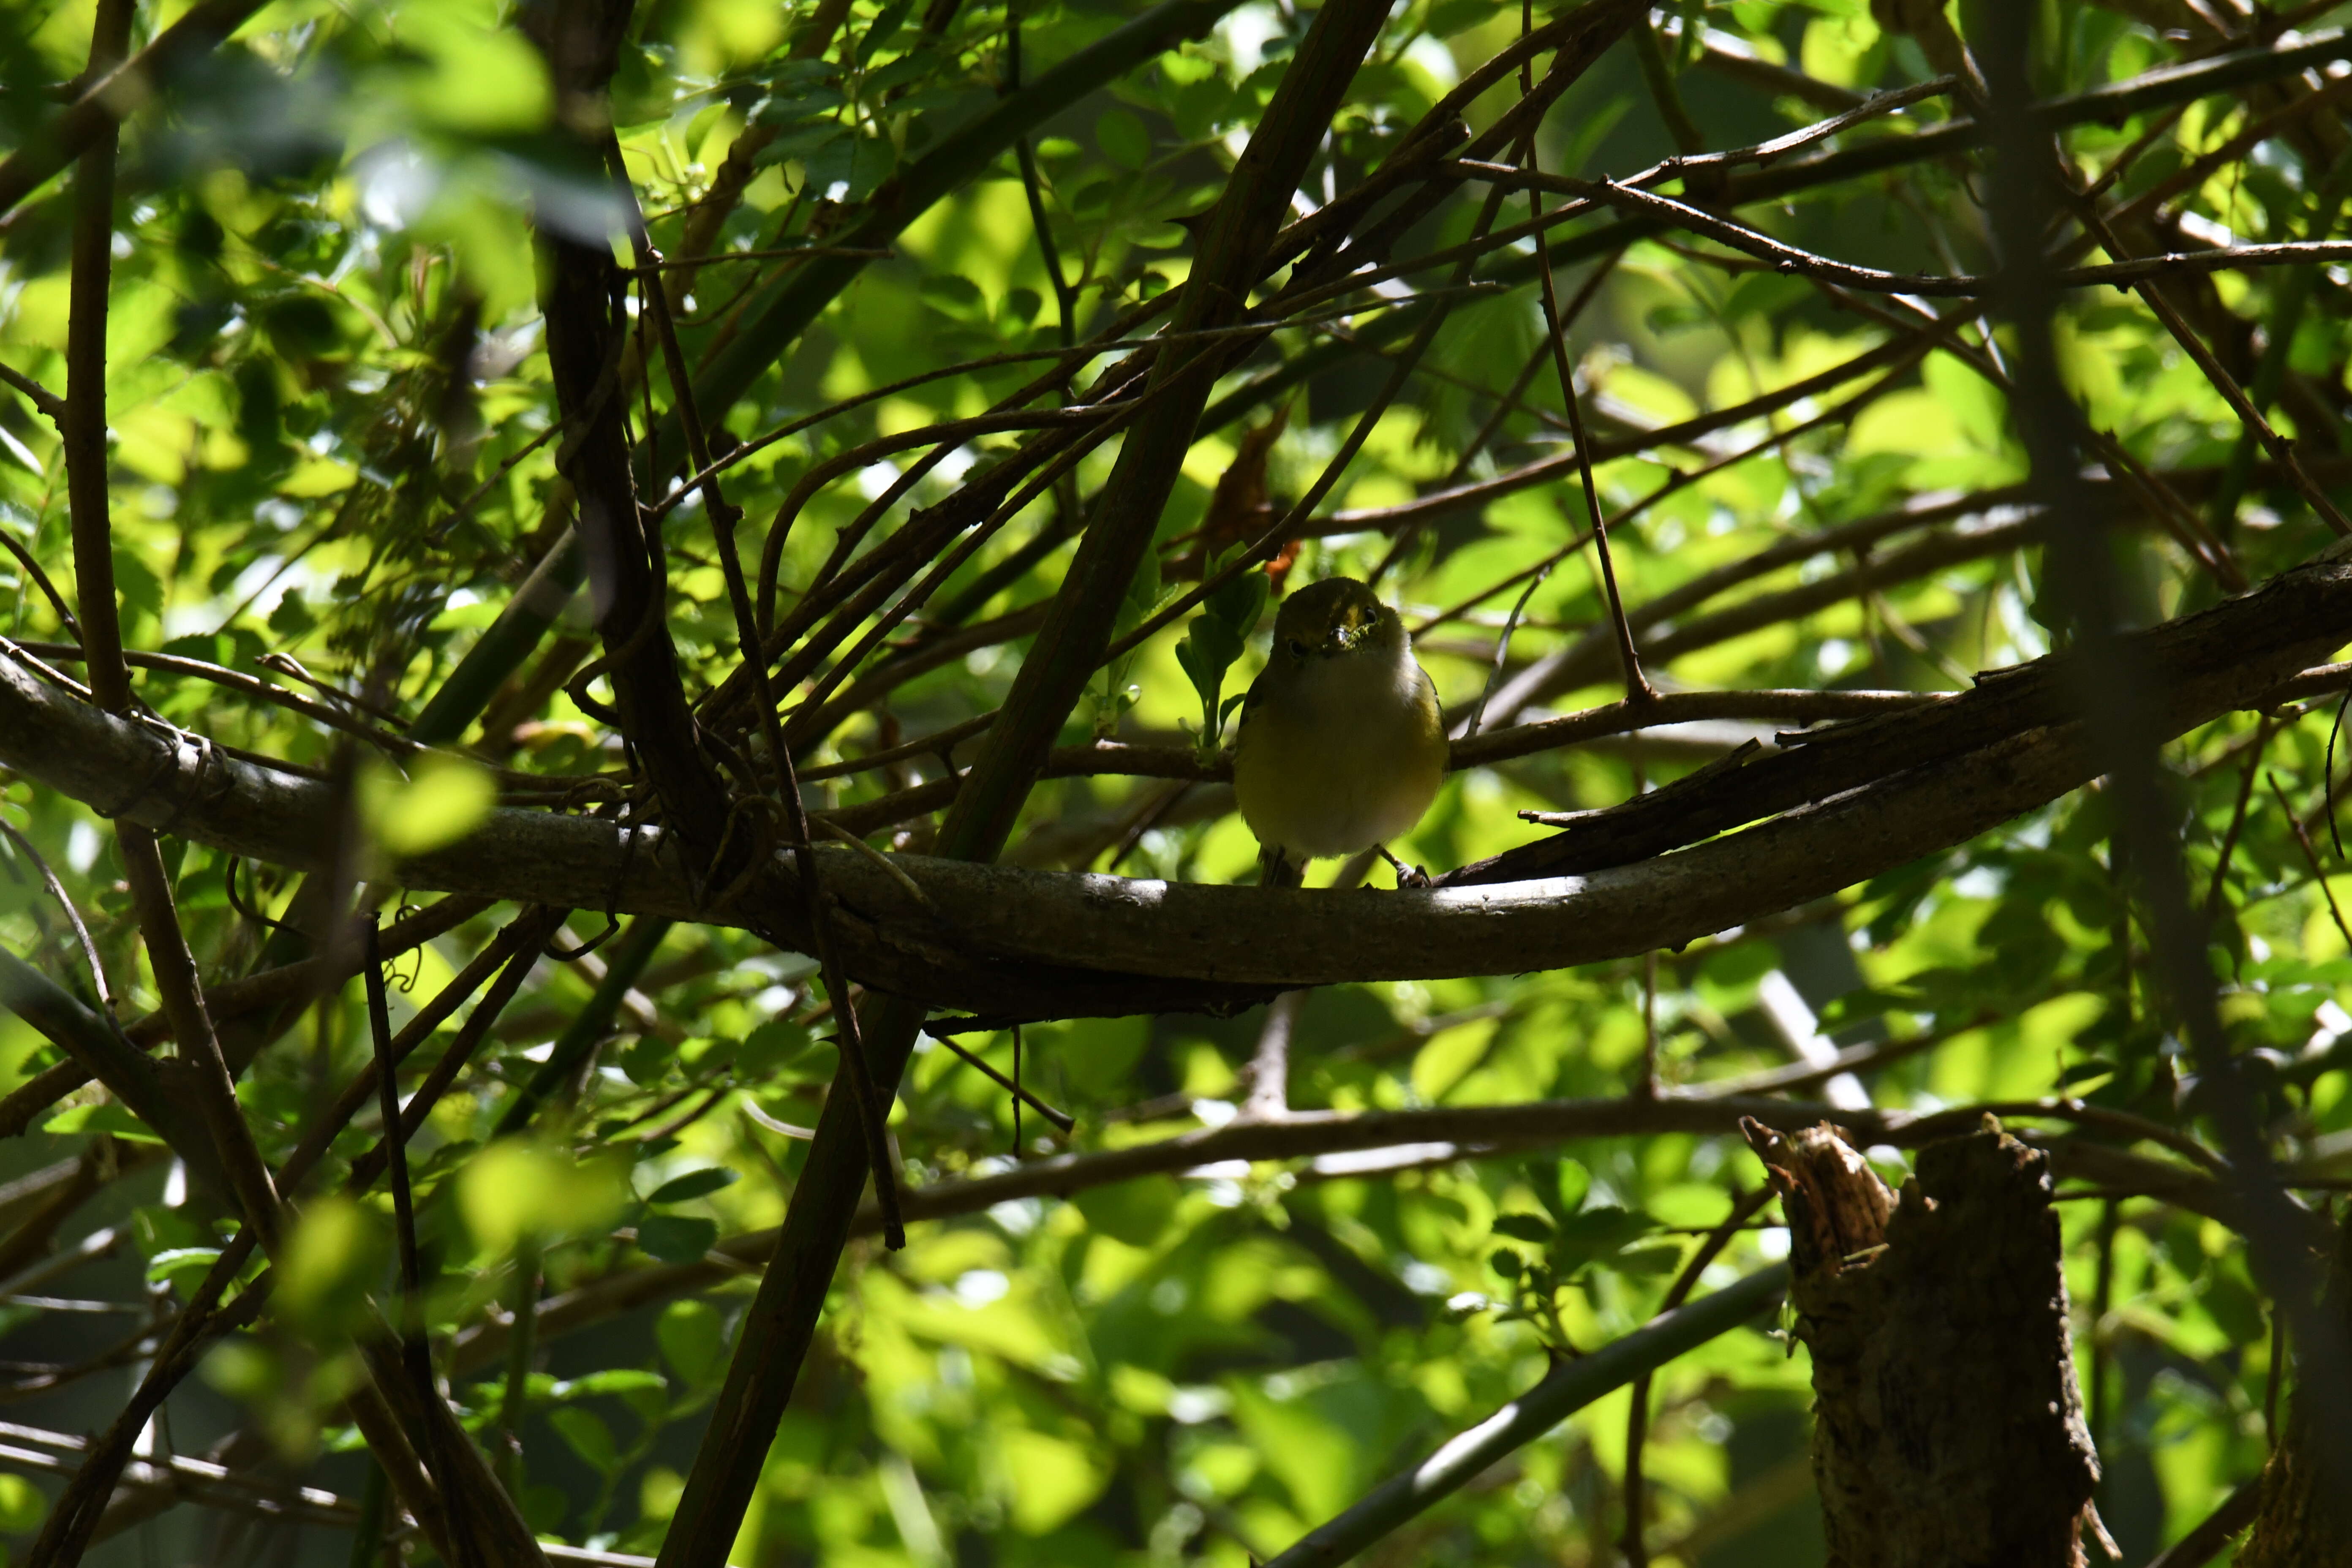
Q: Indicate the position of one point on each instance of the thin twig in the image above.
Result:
(2236, 818)
(1470, 726)
(1637, 686)
(789, 253)
(15, 547)
(2135, 272)
(48, 403)
(1061, 1119)
(1269, 1066)
(2280, 450)
(473, 497)
(414, 1359)
(1744, 1207)
(814, 909)
(202, 1068)
(396, 1147)
(73, 916)
(514, 1401)
(2311, 859)
(468, 1038)
(2215, 1530)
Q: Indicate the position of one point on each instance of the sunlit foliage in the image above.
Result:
(333, 463)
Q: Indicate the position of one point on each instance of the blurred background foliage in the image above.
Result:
(330, 419)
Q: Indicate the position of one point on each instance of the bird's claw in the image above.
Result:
(1406, 875)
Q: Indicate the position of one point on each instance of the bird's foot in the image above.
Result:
(1277, 869)
(1406, 875)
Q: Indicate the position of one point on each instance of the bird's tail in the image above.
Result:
(1277, 869)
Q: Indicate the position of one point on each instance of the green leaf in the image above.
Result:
(957, 295)
(1123, 139)
(1135, 1212)
(105, 1117)
(1142, 592)
(447, 798)
(693, 1184)
(1855, 1006)
(135, 585)
(887, 23)
(584, 1432)
(688, 1335)
(178, 1261)
(912, 66)
(676, 1238)
(858, 164)
(793, 78)
(1208, 651)
(646, 1059)
(803, 142)
(1237, 605)
(303, 325)
(1448, 17)
(1095, 1054)
(1647, 1260)
(332, 1261)
(770, 1048)
(1596, 1233)
(292, 618)
(818, 98)
(2085, 1072)
(1532, 1227)
(611, 1380)
(213, 648)
(515, 1189)
(1561, 1188)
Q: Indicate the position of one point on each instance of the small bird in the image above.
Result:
(1341, 745)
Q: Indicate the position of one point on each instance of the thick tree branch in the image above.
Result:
(587, 339)
(1005, 940)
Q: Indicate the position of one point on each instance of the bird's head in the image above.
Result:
(1338, 615)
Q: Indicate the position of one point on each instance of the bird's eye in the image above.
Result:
(1298, 649)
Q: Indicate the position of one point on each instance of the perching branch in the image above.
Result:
(1009, 941)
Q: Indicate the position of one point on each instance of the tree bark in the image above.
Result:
(1004, 941)
(2304, 1523)
(1948, 1431)
(583, 290)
